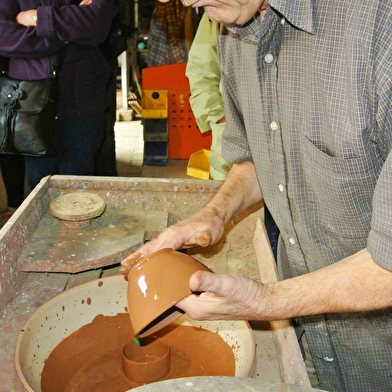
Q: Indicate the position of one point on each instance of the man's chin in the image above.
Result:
(227, 18)
(218, 16)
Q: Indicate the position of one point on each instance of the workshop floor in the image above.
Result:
(129, 151)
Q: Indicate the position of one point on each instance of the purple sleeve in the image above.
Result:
(20, 41)
(86, 25)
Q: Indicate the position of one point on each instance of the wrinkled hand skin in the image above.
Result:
(201, 229)
(223, 297)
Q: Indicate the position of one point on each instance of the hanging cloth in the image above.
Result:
(167, 34)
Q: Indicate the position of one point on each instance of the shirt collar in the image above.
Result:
(297, 12)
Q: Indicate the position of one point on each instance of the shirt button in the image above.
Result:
(292, 241)
(274, 126)
(281, 187)
(269, 58)
(282, 21)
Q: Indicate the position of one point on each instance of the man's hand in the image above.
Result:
(27, 18)
(239, 191)
(86, 2)
(201, 229)
(354, 284)
(223, 297)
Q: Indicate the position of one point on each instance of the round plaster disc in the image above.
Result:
(77, 206)
(220, 384)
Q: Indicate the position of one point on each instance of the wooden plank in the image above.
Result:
(293, 370)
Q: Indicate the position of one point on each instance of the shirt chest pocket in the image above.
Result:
(340, 190)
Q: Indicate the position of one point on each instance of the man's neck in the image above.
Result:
(263, 8)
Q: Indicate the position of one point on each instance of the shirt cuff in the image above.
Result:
(44, 26)
(380, 249)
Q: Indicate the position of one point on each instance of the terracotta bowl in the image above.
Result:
(70, 310)
(155, 284)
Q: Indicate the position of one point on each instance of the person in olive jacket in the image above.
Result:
(63, 36)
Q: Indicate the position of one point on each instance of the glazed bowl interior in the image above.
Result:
(70, 310)
(155, 284)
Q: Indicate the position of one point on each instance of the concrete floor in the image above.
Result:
(129, 152)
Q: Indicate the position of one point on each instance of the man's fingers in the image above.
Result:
(203, 238)
(202, 281)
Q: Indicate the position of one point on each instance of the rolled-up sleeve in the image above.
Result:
(380, 238)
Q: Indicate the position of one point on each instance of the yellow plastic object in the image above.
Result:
(199, 165)
(154, 104)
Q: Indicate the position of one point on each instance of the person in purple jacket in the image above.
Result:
(63, 36)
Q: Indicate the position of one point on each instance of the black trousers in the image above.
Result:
(272, 230)
(13, 171)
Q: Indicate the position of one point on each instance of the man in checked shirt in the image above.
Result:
(308, 92)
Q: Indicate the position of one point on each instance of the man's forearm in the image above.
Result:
(239, 191)
(355, 284)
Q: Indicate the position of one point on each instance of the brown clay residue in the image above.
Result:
(88, 361)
